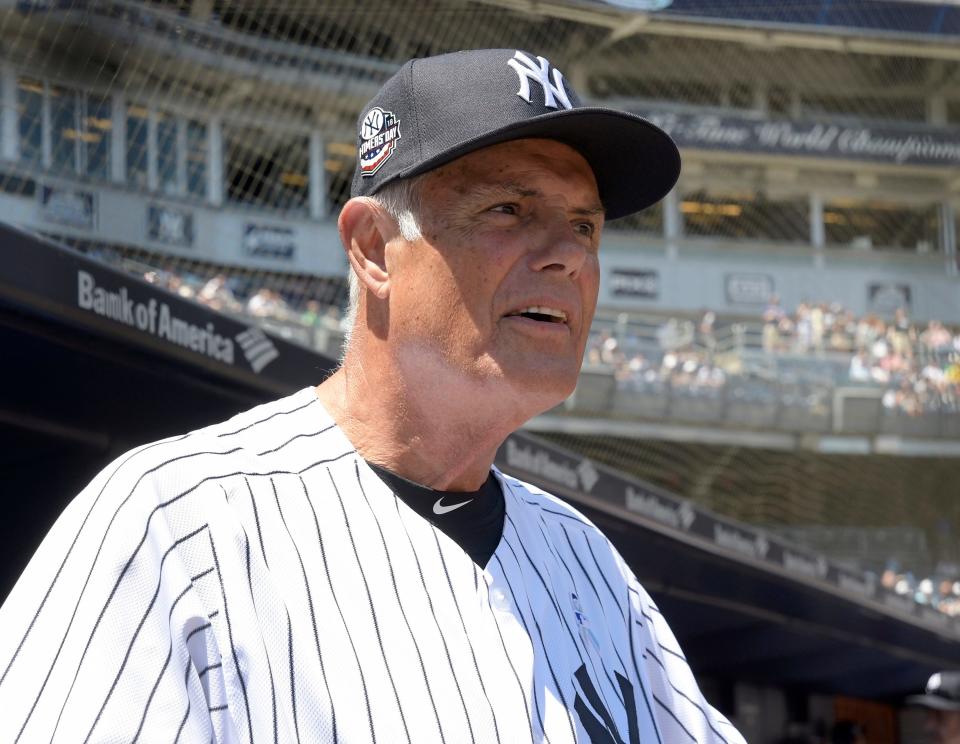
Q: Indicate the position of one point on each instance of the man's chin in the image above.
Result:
(543, 388)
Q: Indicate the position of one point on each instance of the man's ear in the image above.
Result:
(362, 227)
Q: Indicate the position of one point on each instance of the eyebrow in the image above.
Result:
(516, 189)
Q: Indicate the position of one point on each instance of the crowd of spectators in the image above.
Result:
(264, 302)
(941, 591)
(689, 369)
(917, 364)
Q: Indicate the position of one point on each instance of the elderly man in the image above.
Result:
(941, 700)
(345, 564)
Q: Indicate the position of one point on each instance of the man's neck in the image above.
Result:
(432, 433)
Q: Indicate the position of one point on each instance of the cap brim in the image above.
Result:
(934, 702)
(634, 161)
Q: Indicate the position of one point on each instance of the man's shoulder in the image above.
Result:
(568, 523)
(238, 444)
(550, 508)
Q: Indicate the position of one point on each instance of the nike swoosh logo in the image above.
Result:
(439, 508)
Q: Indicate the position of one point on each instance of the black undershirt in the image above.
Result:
(476, 526)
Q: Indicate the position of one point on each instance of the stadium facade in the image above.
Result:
(820, 164)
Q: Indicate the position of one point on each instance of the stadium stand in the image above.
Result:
(786, 366)
(805, 356)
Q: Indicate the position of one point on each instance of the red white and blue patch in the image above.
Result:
(379, 133)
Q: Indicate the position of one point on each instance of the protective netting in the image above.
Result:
(208, 144)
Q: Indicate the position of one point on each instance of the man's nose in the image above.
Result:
(561, 249)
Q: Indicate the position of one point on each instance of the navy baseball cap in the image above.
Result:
(437, 109)
(942, 693)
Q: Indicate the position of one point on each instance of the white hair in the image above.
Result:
(401, 200)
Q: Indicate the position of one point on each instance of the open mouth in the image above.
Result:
(541, 314)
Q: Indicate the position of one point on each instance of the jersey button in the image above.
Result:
(499, 600)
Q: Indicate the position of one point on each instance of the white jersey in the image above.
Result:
(255, 581)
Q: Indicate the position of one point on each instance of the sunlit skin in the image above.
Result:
(439, 373)
(944, 725)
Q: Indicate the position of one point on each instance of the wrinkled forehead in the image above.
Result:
(523, 168)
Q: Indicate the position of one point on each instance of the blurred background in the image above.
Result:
(768, 418)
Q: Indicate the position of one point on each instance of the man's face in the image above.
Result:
(944, 725)
(503, 284)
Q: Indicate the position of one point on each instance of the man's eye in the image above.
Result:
(585, 228)
(506, 209)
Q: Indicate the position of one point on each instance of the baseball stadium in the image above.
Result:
(767, 420)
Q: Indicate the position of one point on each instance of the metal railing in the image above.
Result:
(754, 402)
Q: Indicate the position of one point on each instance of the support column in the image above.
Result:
(760, 100)
(579, 75)
(46, 129)
(937, 110)
(672, 222)
(153, 173)
(818, 234)
(318, 177)
(181, 155)
(201, 10)
(796, 104)
(118, 138)
(948, 236)
(80, 110)
(672, 219)
(215, 161)
(9, 124)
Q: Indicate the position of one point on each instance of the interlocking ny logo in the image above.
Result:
(528, 70)
(602, 729)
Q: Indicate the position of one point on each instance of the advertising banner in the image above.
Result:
(70, 207)
(170, 225)
(269, 241)
(84, 292)
(748, 289)
(901, 145)
(638, 283)
(885, 298)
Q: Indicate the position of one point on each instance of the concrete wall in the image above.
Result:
(638, 272)
(692, 275)
(120, 217)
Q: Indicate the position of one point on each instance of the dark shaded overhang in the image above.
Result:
(913, 19)
(746, 605)
(81, 387)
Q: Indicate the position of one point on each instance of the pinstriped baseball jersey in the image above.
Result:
(255, 581)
